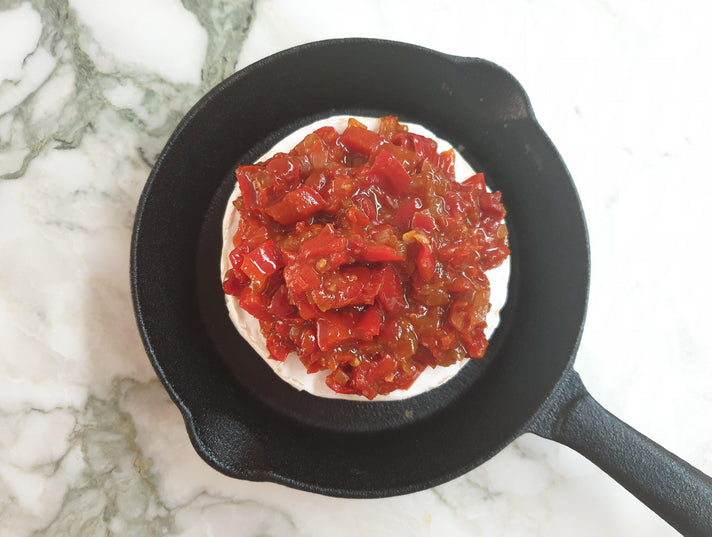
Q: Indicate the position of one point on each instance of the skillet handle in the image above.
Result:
(675, 490)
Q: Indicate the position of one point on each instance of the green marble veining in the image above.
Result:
(113, 490)
(115, 494)
(72, 113)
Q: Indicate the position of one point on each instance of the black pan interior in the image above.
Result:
(249, 424)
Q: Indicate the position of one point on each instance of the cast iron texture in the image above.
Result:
(249, 424)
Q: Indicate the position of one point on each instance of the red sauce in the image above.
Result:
(361, 253)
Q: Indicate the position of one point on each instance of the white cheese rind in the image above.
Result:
(292, 370)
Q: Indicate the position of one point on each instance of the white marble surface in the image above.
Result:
(90, 443)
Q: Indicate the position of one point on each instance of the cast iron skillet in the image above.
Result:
(247, 423)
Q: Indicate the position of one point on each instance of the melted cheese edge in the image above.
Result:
(292, 370)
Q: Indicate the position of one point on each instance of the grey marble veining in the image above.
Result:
(64, 80)
(115, 490)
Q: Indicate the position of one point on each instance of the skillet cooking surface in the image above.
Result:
(245, 421)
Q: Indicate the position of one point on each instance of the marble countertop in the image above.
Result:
(90, 442)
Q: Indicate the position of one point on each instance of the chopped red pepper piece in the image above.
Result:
(253, 303)
(232, 283)
(284, 167)
(278, 348)
(446, 162)
(296, 205)
(328, 134)
(247, 189)
(361, 140)
(369, 375)
(357, 216)
(262, 262)
(424, 221)
(390, 173)
(279, 305)
(477, 180)
(238, 255)
(390, 291)
(425, 262)
(424, 147)
(334, 329)
(490, 203)
(369, 324)
(367, 205)
(351, 286)
(323, 244)
(405, 211)
(375, 253)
